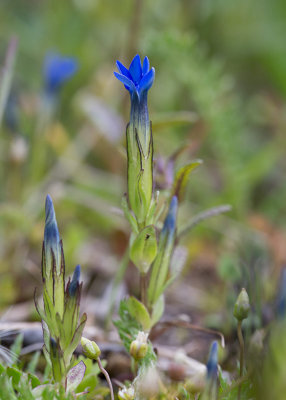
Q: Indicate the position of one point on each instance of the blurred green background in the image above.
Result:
(220, 91)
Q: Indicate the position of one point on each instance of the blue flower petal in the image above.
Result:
(127, 82)
(146, 66)
(123, 70)
(135, 69)
(147, 81)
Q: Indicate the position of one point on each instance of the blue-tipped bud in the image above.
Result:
(169, 226)
(51, 238)
(75, 281)
(212, 362)
(58, 70)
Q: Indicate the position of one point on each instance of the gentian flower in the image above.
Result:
(58, 70)
(138, 79)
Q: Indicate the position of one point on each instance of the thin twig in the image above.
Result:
(105, 373)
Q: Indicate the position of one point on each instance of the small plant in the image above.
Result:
(62, 326)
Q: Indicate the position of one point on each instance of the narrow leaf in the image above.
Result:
(182, 176)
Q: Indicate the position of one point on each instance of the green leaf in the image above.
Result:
(15, 374)
(181, 179)
(75, 376)
(76, 337)
(35, 381)
(139, 312)
(144, 249)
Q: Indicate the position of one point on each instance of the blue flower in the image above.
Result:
(58, 70)
(138, 78)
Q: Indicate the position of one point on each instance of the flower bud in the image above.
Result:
(242, 306)
(75, 281)
(139, 346)
(126, 394)
(51, 239)
(90, 349)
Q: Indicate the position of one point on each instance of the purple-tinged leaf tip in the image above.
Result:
(75, 281)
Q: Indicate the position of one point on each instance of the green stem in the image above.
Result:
(143, 288)
(241, 344)
(105, 373)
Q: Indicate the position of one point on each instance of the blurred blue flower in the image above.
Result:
(58, 70)
(138, 78)
(212, 362)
